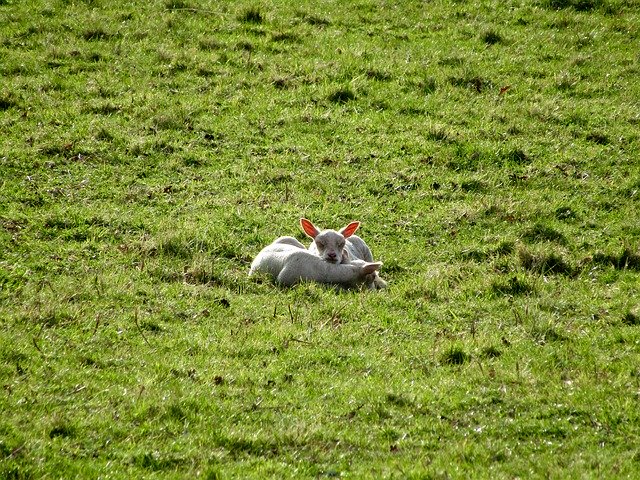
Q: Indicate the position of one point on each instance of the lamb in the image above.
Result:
(289, 263)
(340, 247)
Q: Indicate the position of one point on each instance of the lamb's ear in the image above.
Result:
(371, 267)
(309, 228)
(349, 229)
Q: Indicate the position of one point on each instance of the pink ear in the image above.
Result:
(309, 228)
(349, 229)
(371, 267)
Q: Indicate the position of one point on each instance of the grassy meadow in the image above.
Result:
(149, 150)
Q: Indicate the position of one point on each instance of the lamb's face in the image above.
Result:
(330, 245)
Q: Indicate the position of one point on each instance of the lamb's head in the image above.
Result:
(329, 244)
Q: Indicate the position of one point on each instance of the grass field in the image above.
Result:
(149, 150)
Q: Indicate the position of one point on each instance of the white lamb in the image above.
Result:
(340, 247)
(288, 262)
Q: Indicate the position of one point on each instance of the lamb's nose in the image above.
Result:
(332, 255)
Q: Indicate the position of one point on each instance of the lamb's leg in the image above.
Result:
(379, 283)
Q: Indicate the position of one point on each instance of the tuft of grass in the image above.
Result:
(378, 75)
(566, 213)
(314, 19)
(491, 37)
(285, 37)
(631, 318)
(598, 138)
(540, 232)
(516, 156)
(626, 259)
(177, 5)
(578, 5)
(252, 15)
(491, 352)
(567, 82)
(7, 101)
(61, 429)
(476, 83)
(545, 333)
(342, 95)
(512, 286)
(455, 356)
(429, 85)
(437, 133)
(97, 33)
(545, 262)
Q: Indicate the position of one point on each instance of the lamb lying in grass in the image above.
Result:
(340, 247)
(288, 262)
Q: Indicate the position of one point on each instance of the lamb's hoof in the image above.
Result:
(379, 284)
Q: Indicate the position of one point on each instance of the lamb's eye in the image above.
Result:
(320, 244)
(340, 245)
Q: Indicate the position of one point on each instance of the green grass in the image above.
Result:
(148, 152)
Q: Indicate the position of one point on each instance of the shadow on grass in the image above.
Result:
(627, 259)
